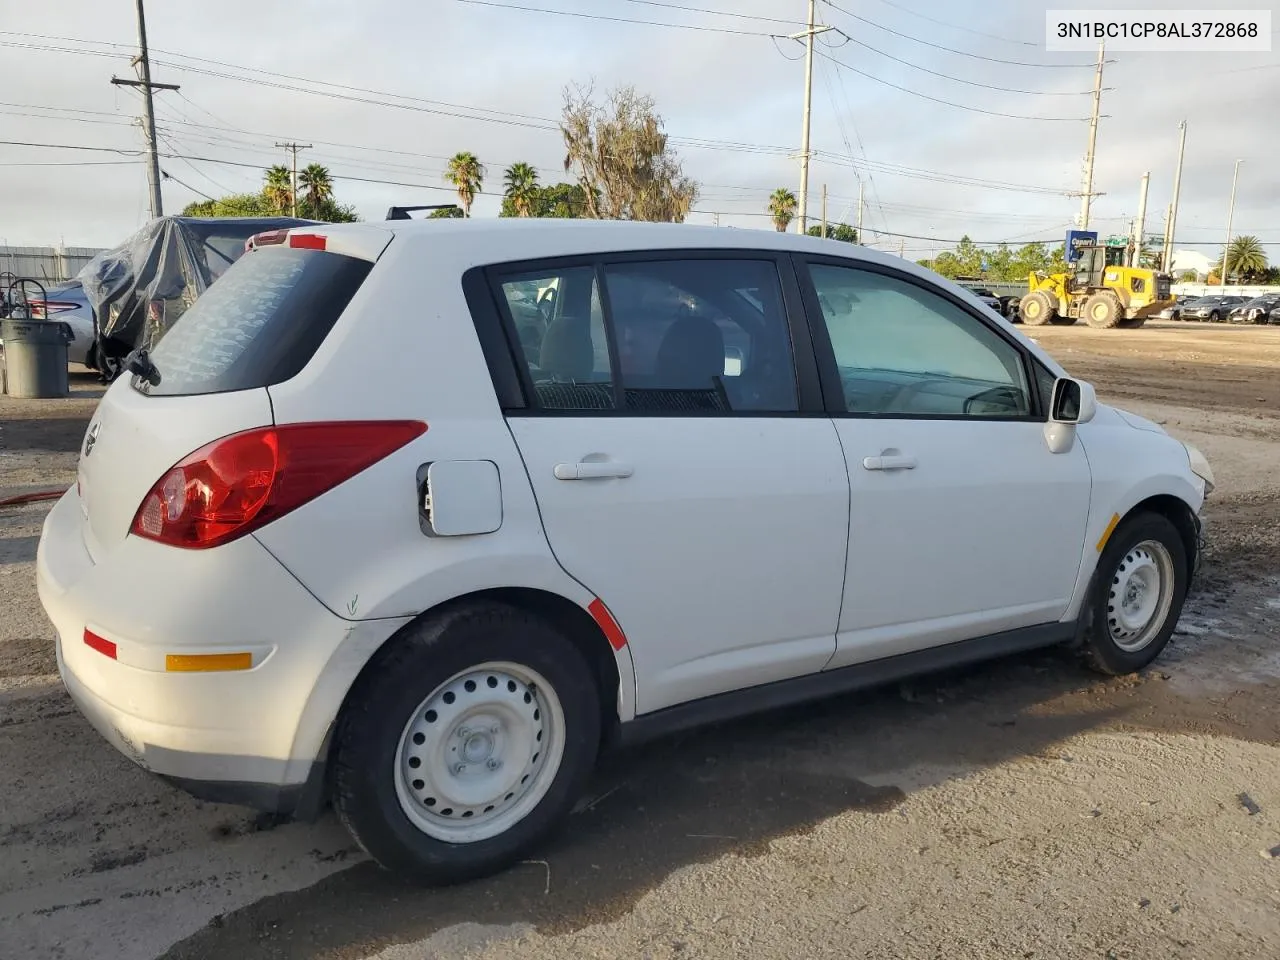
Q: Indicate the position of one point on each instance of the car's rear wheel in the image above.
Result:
(466, 743)
(1138, 594)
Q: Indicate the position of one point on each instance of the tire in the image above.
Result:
(1102, 311)
(533, 738)
(1144, 549)
(1215, 316)
(1037, 308)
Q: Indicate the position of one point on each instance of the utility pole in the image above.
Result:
(142, 63)
(902, 249)
(1087, 198)
(293, 148)
(860, 187)
(1173, 207)
(1166, 261)
(1141, 225)
(824, 211)
(808, 34)
(1231, 210)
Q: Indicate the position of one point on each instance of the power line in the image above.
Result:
(796, 21)
(972, 83)
(947, 103)
(962, 53)
(69, 163)
(601, 16)
(956, 26)
(168, 176)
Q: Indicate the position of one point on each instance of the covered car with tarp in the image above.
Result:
(139, 289)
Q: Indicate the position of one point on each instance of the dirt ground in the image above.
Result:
(1022, 809)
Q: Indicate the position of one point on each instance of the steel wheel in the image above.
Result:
(1141, 595)
(480, 752)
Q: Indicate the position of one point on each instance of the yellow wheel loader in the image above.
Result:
(1098, 287)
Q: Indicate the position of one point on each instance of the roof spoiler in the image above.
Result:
(402, 213)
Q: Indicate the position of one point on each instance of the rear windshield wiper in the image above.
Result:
(139, 362)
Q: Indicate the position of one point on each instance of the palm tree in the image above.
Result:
(1245, 258)
(318, 185)
(782, 207)
(466, 173)
(521, 186)
(279, 188)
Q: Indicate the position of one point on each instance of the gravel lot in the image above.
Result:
(1022, 809)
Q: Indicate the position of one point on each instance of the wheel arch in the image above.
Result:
(615, 678)
(1178, 512)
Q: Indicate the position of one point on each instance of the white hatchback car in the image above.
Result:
(374, 525)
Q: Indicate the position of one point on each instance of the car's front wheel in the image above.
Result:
(1138, 594)
(466, 743)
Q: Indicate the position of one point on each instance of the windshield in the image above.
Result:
(258, 325)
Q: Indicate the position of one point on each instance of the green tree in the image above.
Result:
(319, 204)
(1246, 262)
(236, 205)
(1000, 264)
(317, 189)
(520, 186)
(445, 213)
(624, 162)
(836, 231)
(560, 200)
(782, 208)
(466, 173)
(279, 188)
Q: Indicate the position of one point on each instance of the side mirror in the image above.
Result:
(1074, 401)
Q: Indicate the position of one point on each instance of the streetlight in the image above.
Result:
(1226, 251)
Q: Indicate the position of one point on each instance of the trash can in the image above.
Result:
(35, 358)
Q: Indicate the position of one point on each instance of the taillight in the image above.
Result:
(239, 483)
(266, 238)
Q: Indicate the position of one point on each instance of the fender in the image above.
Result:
(365, 637)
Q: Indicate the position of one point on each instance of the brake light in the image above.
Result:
(266, 238)
(307, 241)
(235, 485)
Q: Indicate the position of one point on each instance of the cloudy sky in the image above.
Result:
(952, 114)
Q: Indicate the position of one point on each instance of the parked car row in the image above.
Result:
(1229, 308)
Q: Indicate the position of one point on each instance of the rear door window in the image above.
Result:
(258, 324)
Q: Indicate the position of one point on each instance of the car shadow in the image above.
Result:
(692, 798)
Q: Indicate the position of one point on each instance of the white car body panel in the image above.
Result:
(926, 563)
(759, 508)
(1128, 464)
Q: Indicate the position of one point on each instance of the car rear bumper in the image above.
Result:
(254, 736)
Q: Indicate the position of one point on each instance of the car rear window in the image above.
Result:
(258, 324)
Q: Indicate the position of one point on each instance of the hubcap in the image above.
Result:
(480, 752)
(1141, 595)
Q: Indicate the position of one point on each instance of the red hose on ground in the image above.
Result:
(23, 498)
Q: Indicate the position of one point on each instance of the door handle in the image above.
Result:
(593, 470)
(889, 463)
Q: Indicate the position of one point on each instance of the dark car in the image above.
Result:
(1213, 308)
(139, 289)
(1256, 310)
